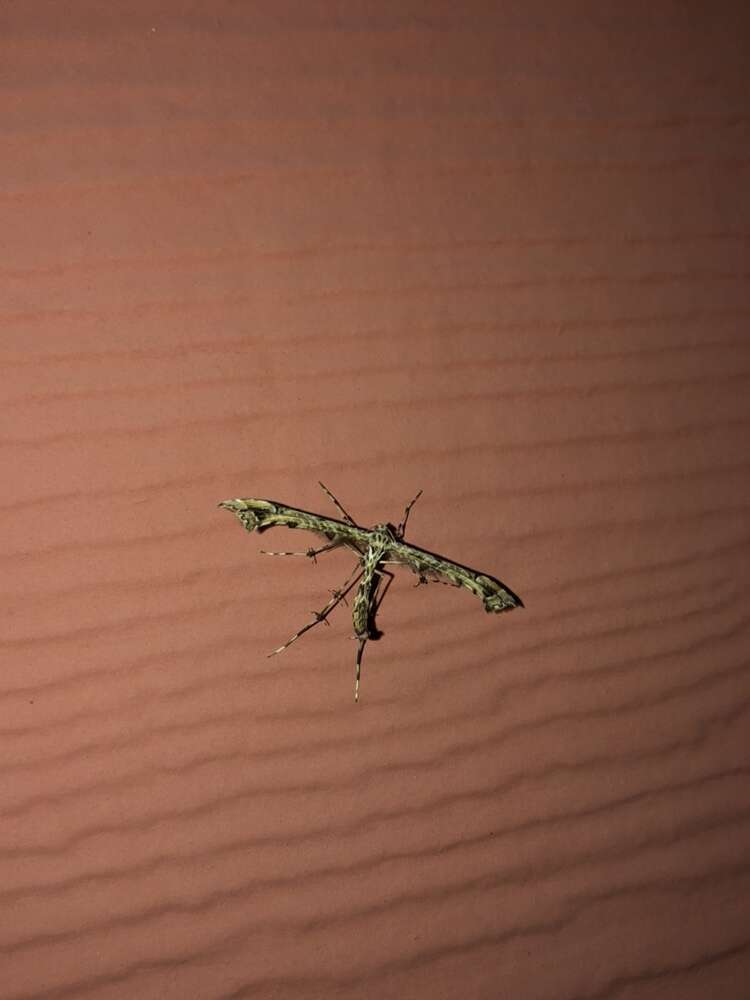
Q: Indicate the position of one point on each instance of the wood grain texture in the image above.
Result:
(495, 251)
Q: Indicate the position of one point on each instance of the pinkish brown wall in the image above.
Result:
(495, 251)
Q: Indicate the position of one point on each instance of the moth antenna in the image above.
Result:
(407, 510)
(347, 517)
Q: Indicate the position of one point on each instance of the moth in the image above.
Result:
(375, 548)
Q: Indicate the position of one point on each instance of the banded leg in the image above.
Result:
(422, 579)
(378, 598)
(423, 575)
(360, 651)
(310, 553)
(322, 615)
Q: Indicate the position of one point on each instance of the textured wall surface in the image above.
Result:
(495, 251)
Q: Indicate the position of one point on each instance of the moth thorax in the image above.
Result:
(385, 533)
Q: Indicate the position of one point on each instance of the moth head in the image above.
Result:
(388, 530)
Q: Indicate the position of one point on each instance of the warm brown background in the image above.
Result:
(497, 251)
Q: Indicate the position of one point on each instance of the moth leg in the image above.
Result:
(347, 517)
(398, 562)
(377, 599)
(321, 616)
(310, 553)
(360, 650)
(402, 526)
(423, 578)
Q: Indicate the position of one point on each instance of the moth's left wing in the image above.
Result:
(259, 515)
(495, 596)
